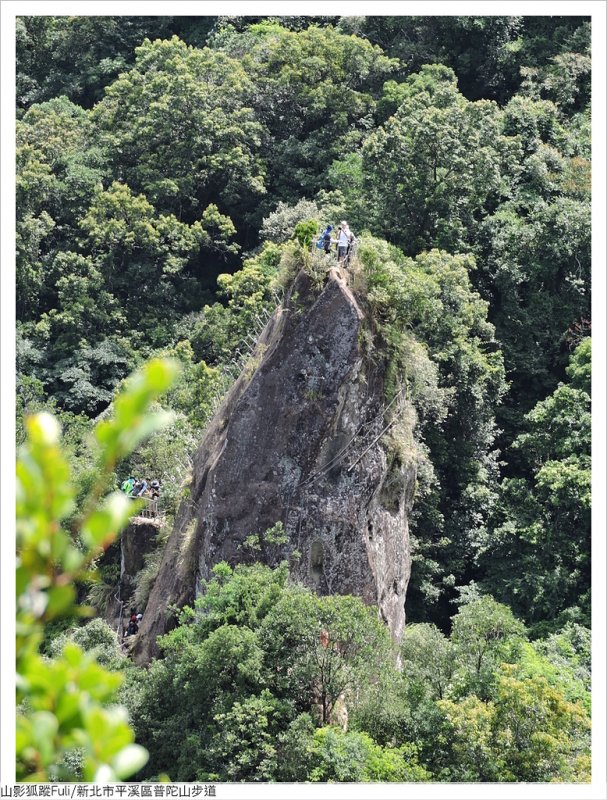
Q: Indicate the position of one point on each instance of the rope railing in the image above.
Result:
(119, 626)
(150, 510)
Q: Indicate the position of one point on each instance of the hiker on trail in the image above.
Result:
(133, 628)
(144, 486)
(345, 240)
(351, 245)
(326, 239)
(155, 489)
(127, 485)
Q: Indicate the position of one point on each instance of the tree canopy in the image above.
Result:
(172, 175)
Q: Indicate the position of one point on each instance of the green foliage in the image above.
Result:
(435, 164)
(62, 701)
(130, 426)
(536, 267)
(95, 638)
(392, 710)
(555, 661)
(517, 196)
(85, 309)
(167, 454)
(580, 366)
(464, 140)
(312, 670)
(100, 595)
(490, 54)
(244, 746)
(544, 517)
(145, 578)
(268, 544)
(305, 232)
(467, 733)
(433, 328)
(58, 170)
(179, 126)
(85, 379)
(30, 398)
(95, 265)
(245, 678)
(247, 660)
(565, 79)
(61, 718)
(346, 175)
(119, 222)
(121, 228)
(534, 255)
(78, 56)
(221, 330)
(569, 652)
(279, 225)
(174, 713)
(303, 94)
(313, 93)
(240, 596)
(544, 739)
(335, 756)
(528, 732)
(484, 634)
(486, 705)
(428, 657)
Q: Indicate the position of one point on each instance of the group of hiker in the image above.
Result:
(133, 626)
(141, 487)
(344, 242)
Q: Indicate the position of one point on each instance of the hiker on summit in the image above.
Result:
(345, 242)
(127, 485)
(325, 241)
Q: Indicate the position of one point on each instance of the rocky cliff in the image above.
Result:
(299, 439)
(136, 540)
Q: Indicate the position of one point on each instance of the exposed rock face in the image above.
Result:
(136, 540)
(297, 440)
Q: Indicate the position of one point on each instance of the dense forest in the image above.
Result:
(173, 173)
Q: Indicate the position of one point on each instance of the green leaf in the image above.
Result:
(129, 761)
(103, 525)
(44, 729)
(60, 599)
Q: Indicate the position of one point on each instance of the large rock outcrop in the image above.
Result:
(136, 540)
(298, 439)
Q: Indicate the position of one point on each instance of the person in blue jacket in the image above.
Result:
(324, 240)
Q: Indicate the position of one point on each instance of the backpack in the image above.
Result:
(321, 242)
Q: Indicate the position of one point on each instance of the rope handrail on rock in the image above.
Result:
(151, 509)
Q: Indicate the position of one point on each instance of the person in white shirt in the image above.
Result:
(344, 238)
